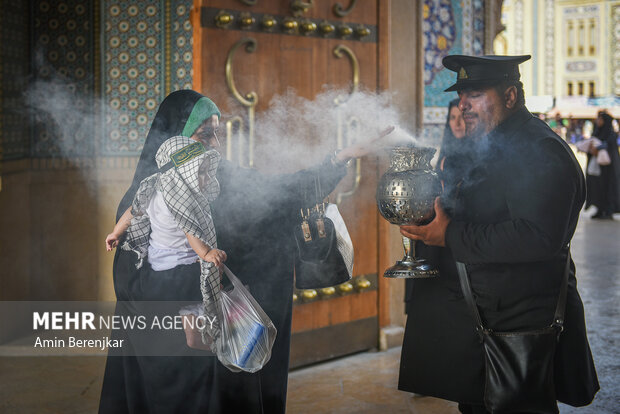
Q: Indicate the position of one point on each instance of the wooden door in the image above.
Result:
(250, 51)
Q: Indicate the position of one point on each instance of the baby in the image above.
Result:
(169, 222)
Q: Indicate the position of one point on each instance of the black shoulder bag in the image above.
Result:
(519, 365)
(318, 262)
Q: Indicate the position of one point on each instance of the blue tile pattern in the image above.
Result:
(467, 23)
(147, 54)
(110, 61)
(433, 133)
(131, 71)
(439, 35)
(182, 55)
(436, 78)
(63, 65)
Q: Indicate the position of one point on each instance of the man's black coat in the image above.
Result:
(513, 212)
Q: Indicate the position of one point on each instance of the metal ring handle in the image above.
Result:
(339, 51)
(341, 11)
(250, 99)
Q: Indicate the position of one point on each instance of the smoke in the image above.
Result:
(67, 120)
(293, 133)
(296, 132)
(63, 119)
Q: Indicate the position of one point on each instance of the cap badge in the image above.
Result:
(463, 74)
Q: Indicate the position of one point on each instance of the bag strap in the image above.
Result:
(466, 288)
(558, 318)
(308, 198)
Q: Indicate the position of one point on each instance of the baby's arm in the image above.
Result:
(121, 226)
(215, 256)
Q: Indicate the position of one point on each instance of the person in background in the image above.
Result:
(452, 143)
(573, 131)
(514, 212)
(557, 125)
(604, 189)
(453, 132)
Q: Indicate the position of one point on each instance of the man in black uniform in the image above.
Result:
(515, 195)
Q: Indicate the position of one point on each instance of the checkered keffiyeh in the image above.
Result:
(190, 207)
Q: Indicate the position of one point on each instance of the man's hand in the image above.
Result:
(433, 233)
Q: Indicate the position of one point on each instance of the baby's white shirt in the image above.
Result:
(168, 244)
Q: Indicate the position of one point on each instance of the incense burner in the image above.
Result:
(405, 195)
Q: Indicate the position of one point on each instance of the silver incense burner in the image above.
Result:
(406, 195)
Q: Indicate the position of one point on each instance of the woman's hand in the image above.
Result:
(362, 148)
(111, 241)
(215, 256)
(593, 148)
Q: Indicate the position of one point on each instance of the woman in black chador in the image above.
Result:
(604, 189)
(254, 216)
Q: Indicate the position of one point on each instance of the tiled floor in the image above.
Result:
(50, 385)
(363, 383)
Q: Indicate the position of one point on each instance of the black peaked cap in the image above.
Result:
(477, 71)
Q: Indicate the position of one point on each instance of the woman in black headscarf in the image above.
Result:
(453, 133)
(451, 165)
(604, 190)
(133, 380)
(254, 216)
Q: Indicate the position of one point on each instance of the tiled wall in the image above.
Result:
(99, 69)
(61, 98)
(147, 53)
(443, 35)
(450, 27)
(14, 72)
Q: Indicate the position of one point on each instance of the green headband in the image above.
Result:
(203, 110)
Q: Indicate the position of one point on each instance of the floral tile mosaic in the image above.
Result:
(91, 73)
(147, 53)
(60, 97)
(450, 27)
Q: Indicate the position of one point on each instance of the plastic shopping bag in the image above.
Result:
(603, 157)
(247, 333)
(593, 167)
